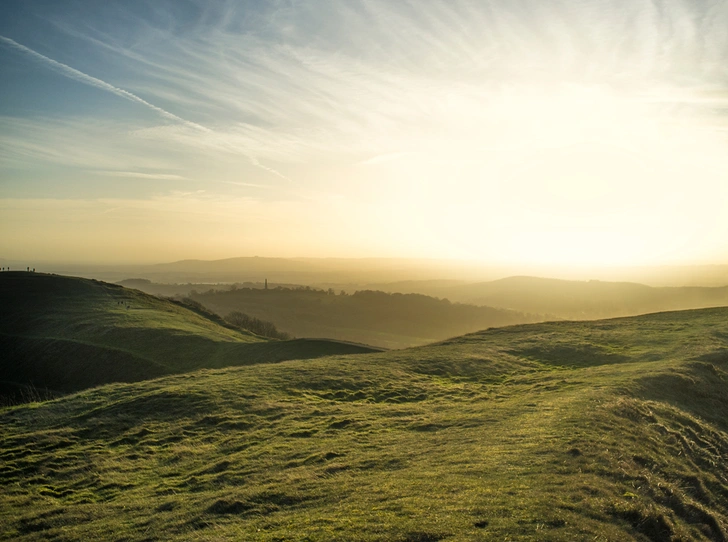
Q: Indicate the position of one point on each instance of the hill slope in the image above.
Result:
(66, 334)
(613, 430)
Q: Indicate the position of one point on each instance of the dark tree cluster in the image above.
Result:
(255, 325)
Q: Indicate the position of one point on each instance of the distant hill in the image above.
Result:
(569, 299)
(308, 271)
(371, 317)
(353, 274)
(63, 334)
(612, 430)
(590, 299)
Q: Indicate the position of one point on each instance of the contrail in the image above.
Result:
(73, 73)
(257, 164)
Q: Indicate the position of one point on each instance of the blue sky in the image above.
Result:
(591, 132)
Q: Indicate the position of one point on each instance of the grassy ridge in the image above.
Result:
(66, 334)
(612, 430)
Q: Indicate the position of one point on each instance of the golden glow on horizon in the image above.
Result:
(603, 182)
(445, 131)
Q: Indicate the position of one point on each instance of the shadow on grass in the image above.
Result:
(570, 355)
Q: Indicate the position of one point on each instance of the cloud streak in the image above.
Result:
(380, 78)
(77, 75)
(138, 175)
(84, 78)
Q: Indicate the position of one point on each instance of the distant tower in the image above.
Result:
(266, 284)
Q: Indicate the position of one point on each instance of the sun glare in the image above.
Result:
(571, 175)
(498, 132)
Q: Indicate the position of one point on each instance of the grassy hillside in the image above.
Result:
(378, 318)
(612, 430)
(65, 334)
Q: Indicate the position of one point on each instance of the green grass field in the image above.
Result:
(610, 430)
(61, 334)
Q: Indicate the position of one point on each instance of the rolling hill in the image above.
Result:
(371, 317)
(61, 334)
(571, 299)
(507, 301)
(612, 430)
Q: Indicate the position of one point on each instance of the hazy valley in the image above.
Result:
(421, 311)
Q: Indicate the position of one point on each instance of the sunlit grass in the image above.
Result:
(613, 430)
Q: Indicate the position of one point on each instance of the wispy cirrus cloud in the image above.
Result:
(531, 111)
(73, 73)
(139, 175)
(317, 81)
(377, 77)
(93, 144)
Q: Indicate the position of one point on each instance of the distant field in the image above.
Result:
(60, 334)
(612, 430)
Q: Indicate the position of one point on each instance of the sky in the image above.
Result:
(502, 131)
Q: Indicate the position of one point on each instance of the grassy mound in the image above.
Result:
(612, 430)
(61, 334)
